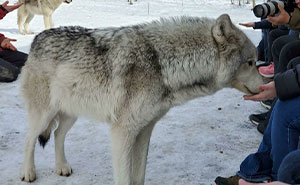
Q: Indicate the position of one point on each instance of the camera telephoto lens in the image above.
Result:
(265, 9)
(258, 11)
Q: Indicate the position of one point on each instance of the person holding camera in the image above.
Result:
(11, 60)
(293, 8)
(277, 158)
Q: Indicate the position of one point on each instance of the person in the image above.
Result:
(293, 7)
(281, 136)
(288, 172)
(11, 60)
(262, 48)
(261, 120)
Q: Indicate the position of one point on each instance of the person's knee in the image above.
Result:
(295, 61)
(8, 75)
(289, 170)
(272, 35)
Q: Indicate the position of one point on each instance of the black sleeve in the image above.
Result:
(287, 84)
(264, 24)
(290, 5)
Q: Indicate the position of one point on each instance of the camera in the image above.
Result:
(268, 9)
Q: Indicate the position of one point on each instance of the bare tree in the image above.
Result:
(130, 2)
(248, 2)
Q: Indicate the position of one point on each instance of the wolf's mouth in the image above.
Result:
(249, 91)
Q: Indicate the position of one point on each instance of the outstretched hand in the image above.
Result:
(10, 8)
(249, 24)
(283, 17)
(267, 92)
(7, 45)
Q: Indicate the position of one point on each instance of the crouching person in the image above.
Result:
(11, 60)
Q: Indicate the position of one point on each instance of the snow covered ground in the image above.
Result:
(191, 145)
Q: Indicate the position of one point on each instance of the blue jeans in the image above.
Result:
(281, 137)
(289, 170)
(294, 33)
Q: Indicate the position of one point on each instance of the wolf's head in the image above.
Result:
(238, 56)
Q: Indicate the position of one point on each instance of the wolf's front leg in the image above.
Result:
(48, 21)
(26, 24)
(122, 144)
(140, 153)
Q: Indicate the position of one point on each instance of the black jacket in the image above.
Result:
(287, 84)
(265, 24)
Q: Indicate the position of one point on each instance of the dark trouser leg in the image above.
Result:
(285, 131)
(276, 50)
(272, 36)
(11, 63)
(8, 72)
(289, 170)
(265, 33)
(260, 49)
(16, 58)
(295, 61)
(288, 52)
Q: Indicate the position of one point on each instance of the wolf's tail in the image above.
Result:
(45, 136)
(35, 91)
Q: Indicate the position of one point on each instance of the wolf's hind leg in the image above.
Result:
(65, 124)
(38, 122)
(140, 153)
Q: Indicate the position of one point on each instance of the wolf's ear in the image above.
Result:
(226, 35)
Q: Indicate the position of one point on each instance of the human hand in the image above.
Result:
(297, 3)
(10, 8)
(267, 92)
(283, 17)
(249, 24)
(242, 182)
(7, 45)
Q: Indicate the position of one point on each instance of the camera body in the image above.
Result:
(268, 9)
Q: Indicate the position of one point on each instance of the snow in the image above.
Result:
(191, 145)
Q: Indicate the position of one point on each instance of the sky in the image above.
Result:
(191, 145)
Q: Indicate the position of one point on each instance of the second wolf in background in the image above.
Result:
(40, 7)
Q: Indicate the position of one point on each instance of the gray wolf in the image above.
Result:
(41, 7)
(128, 77)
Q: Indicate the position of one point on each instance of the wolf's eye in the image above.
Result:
(250, 63)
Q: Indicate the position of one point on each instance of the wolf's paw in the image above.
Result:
(64, 170)
(28, 175)
(29, 33)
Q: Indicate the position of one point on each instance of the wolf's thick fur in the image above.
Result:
(128, 77)
(41, 7)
